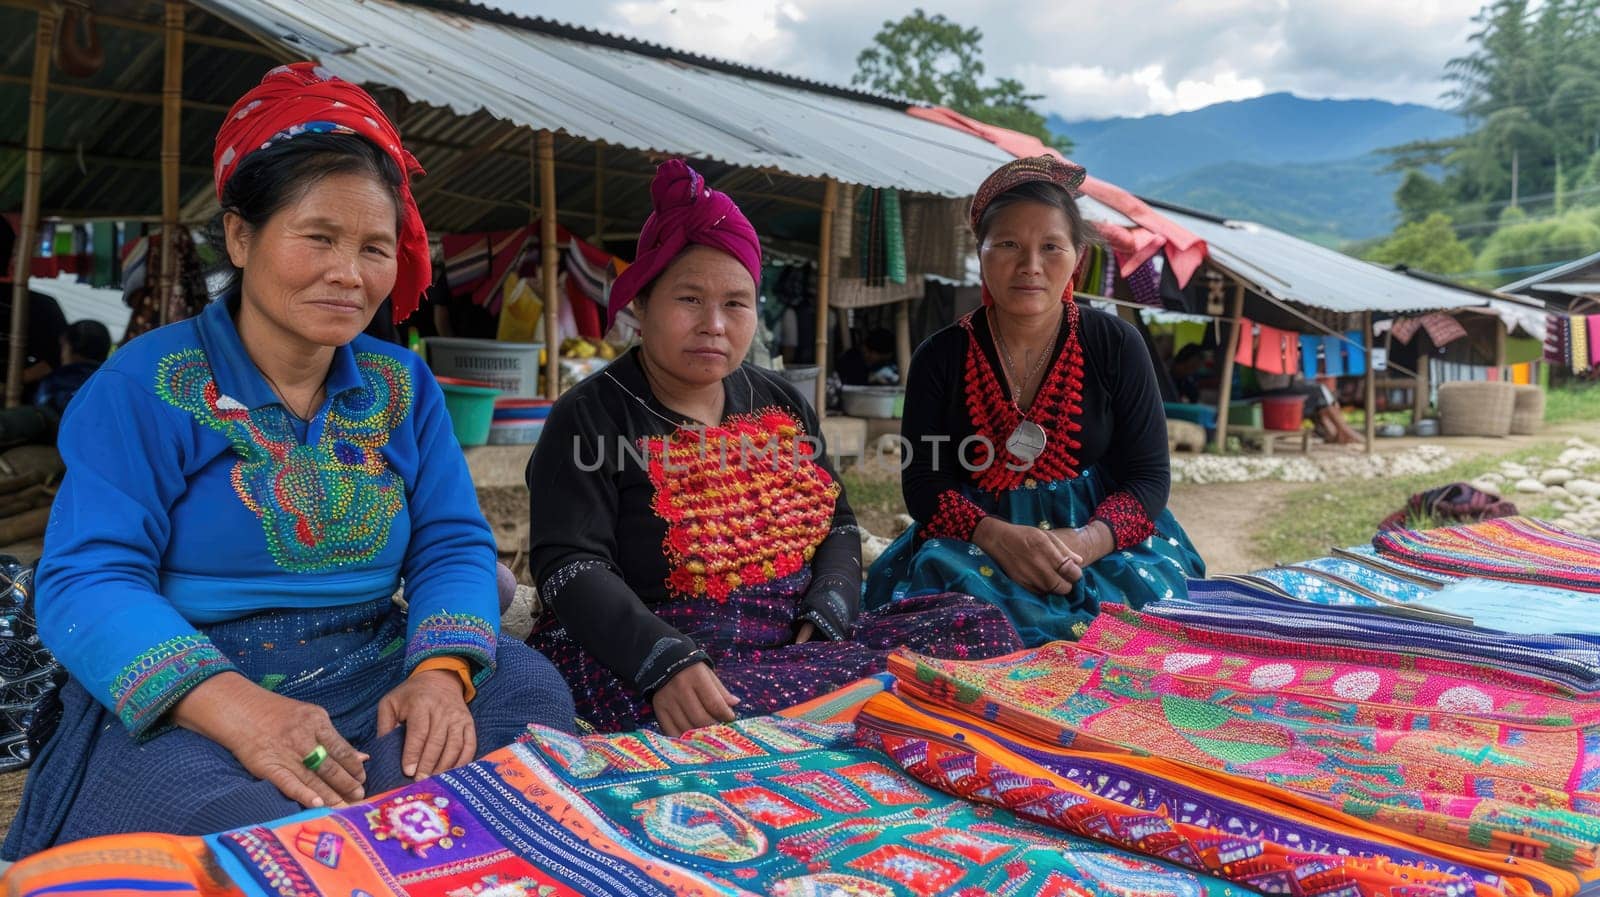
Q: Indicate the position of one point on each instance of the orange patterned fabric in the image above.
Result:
(122, 866)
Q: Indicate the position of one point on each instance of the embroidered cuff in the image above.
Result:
(468, 637)
(956, 518)
(453, 665)
(158, 679)
(1126, 516)
(829, 607)
(669, 656)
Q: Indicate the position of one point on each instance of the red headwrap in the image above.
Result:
(1013, 174)
(305, 98)
(686, 211)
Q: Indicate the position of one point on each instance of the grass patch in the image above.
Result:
(1575, 402)
(1325, 515)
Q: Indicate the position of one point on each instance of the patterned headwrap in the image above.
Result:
(1021, 171)
(305, 98)
(686, 211)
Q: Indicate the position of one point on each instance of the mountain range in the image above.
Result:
(1309, 167)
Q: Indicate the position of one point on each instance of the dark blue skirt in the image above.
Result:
(92, 779)
(1156, 568)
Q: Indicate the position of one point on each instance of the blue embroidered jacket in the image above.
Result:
(192, 496)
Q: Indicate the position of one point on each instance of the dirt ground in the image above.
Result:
(1222, 520)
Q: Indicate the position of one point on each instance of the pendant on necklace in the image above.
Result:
(1027, 442)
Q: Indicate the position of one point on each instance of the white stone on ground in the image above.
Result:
(1530, 485)
(1555, 476)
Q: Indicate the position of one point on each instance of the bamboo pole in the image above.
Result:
(1225, 387)
(1372, 386)
(124, 96)
(171, 143)
(1419, 401)
(547, 261)
(830, 196)
(599, 191)
(902, 337)
(28, 232)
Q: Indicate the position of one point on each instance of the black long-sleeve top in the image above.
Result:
(1098, 404)
(612, 536)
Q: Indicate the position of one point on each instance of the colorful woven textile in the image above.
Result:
(122, 866)
(1467, 764)
(1515, 549)
(1262, 838)
(1238, 608)
(767, 806)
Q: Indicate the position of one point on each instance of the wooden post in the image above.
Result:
(599, 192)
(1225, 387)
(902, 338)
(171, 142)
(1500, 349)
(548, 252)
(1372, 386)
(1419, 401)
(830, 198)
(44, 37)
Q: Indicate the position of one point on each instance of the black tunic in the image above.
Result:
(1114, 419)
(600, 551)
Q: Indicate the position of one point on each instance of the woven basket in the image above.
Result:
(1527, 415)
(1476, 408)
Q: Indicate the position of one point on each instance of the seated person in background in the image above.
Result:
(689, 537)
(46, 324)
(84, 348)
(1187, 367)
(1322, 406)
(245, 491)
(858, 364)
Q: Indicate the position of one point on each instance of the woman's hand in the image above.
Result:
(693, 698)
(271, 736)
(440, 733)
(1034, 558)
(1090, 543)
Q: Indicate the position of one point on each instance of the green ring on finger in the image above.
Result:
(314, 760)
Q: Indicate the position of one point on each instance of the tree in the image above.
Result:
(1420, 196)
(931, 59)
(1428, 245)
(1522, 243)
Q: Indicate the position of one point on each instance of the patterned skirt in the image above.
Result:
(1156, 568)
(91, 778)
(750, 639)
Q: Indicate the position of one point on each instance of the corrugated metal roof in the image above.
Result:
(1294, 270)
(618, 96)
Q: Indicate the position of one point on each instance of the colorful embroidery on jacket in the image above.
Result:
(321, 506)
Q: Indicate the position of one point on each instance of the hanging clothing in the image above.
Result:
(194, 499)
(1105, 459)
(658, 547)
(1355, 354)
(880, 240)
(188, 296)
(1310, 352)
(1268, 349)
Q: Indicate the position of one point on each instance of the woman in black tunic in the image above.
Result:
(1039, 468)
(688, 533)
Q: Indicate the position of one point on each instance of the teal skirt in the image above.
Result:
(1154, 569)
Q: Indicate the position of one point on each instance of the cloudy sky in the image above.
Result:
(1090, 58)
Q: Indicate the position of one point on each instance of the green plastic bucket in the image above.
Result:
(471, 409)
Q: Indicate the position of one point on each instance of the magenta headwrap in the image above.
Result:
(686, 211)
